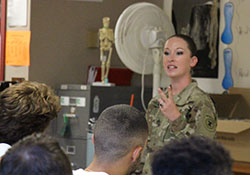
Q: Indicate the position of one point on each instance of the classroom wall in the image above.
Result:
(240, 44)
(240, 70)
(17, 71)
(59, 52)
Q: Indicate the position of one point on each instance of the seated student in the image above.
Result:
(120, 135)
(25, 108)
(36, 154)
(194, 155)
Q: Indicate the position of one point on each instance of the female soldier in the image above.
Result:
(183, 109)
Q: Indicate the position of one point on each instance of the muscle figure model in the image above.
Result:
(106, 38)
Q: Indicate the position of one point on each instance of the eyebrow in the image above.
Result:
(180, 48)
(176, 48)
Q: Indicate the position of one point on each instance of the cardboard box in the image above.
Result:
(235, 137)
(231, 106)
(233, 129)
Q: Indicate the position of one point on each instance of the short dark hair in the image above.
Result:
(119, 129)
(26, 108)
(190, 42)
(36, 154)
(194, 155)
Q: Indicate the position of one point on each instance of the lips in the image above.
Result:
(172, 67)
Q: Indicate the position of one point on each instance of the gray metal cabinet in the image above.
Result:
(80, 103)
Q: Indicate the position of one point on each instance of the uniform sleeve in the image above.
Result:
(200, 118)
(206, 120)
(153, 108)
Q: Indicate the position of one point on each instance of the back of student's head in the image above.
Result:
(194, 155)
(35, 155)
(118, 130)
(26, 108)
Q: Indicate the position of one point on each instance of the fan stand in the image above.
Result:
(157, 56)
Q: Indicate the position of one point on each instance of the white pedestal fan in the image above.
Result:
(140, 34)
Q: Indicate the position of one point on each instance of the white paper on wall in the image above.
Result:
(17, 13)
(240, 44)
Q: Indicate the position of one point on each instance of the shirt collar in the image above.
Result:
(182, 97)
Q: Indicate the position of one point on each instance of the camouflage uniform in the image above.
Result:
(198, 115)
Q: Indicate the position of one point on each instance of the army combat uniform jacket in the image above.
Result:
(198, 116)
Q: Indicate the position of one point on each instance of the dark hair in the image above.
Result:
(26, 108)
(35, 155)
(6, 84)
(190, 42)
(194, 155)
(119, 129)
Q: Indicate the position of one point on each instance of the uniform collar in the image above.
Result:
(182, 97)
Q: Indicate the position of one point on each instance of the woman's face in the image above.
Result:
(177, 60)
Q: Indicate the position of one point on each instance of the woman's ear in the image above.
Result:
(194, 61)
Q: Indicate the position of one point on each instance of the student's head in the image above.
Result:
(194, 155)
(179, 56)
(120, 131)
(26, 108)
(36, 154)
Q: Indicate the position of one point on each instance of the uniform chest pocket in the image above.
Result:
(188, 110)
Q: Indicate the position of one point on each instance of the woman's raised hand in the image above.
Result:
(167, 105)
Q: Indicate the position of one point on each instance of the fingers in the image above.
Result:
(167, 104)
(162, 94)
(170, 93)
(164, 99)
(161, 102)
